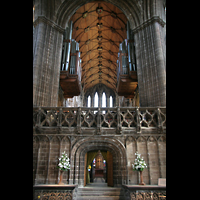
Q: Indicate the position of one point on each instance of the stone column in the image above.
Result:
(92, 99)
(100, 99)
(107, 100)
(47, 49)
(150, 56)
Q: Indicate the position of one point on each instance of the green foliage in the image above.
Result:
(139, 164)
(64, 162)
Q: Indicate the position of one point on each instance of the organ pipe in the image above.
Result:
(128, 38)
(65, 48)
(69, 45)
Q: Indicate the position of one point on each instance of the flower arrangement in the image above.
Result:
(64, 162)
(139, 164)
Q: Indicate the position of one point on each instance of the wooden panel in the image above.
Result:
(99, 35)
(110, 169)
(85, 169)
(70, 84)
(126, 86)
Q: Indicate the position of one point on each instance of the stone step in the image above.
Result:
(100, 189)
(100, 193)
(100, 198)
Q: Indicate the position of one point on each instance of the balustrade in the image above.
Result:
(121, 118)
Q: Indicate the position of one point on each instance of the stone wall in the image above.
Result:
(46, 151)
(122, 131)
(47, 148)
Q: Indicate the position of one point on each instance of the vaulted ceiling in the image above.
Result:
(99, 28)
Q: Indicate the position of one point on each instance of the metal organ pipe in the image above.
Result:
(64, 50)
(129, 49)
(133, 53)
(69, 45)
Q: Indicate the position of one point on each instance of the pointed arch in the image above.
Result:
(132, 10)
(103, 143)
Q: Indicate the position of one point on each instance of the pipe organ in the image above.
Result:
(70, 74)
(126, 67)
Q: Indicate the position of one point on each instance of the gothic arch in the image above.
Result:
(100, 90)
(131, 9)
(87, 144)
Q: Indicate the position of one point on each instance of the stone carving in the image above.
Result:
(119, 118)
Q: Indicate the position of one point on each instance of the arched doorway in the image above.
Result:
(98, 168)
(117, 156)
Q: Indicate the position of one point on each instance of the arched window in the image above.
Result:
(104, 100)
(111, 101)
(96, 100)
(89, 101)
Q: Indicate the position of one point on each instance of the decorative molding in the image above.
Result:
(98, 121)
(149, 22)
(43, 19)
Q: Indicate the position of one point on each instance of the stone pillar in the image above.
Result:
(107, 100)
(92, 99)
(100, 99)
(150, 56)
(47, 49)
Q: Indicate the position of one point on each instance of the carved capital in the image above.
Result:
(43, 19)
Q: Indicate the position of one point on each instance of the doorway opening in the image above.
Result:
(98, 168)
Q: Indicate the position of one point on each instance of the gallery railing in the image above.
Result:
(98, 117)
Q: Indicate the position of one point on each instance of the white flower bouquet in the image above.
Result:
(64, 164)
(139, 164)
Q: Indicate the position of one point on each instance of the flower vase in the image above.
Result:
(141, 179)
(61, 178)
